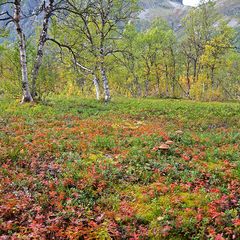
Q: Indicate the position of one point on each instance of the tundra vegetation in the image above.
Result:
(145, 159)
(132, 169)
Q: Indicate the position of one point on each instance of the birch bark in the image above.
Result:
(27, 97)
(97, 89)
(42, 40)
(107, 96)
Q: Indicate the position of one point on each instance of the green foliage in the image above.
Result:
(207, 45)
(202, 63)
(104, 143)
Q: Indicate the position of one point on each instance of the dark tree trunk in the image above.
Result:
(158, 81)
(174, 77)
(166, 75)
(212, 76)
(195, 70)
(147, 79)
(188, 79)
(147, 87)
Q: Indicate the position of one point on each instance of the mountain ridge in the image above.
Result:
(171, 10)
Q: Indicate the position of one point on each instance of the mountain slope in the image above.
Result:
(174, 10)
(171, 10)
(231, 10)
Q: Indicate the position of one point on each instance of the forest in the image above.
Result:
(102, 49)
(117, 126)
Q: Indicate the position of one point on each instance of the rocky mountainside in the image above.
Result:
(231, 10)
(150, 4)
(174, 10)
(229, 7)
(171, 10)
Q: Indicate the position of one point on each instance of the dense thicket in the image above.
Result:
(94, 48)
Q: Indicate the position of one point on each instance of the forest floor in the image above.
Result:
(79, 169)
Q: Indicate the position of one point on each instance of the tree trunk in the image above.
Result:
(158, 80)
(147, 82)
(188, 79)
(147, 87)
(41, 43)
(195, 70)
(174, 78)
(212, 76)
(137, 85)
(107, 96)
(97, 89)
(23, 56)
(166, 80)
(38, 60)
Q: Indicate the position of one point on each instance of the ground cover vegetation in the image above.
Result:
(100, 47)
(79, 169)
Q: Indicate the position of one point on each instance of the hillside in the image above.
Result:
(231, 10)
(174, 11)
(171, 10)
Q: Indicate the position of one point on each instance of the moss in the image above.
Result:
(191, 200)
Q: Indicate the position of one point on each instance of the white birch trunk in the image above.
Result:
(107, 96)
(39, 57)
(23, 56)
(41, 43)
(97, 89)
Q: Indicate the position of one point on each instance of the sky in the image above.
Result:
(191, 2)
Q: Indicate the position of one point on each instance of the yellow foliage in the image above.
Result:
(203, 90)
(72, 89)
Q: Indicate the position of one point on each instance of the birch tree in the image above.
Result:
(199, 26)
(15, 17)
(48, 9)
(100, 29)
(12, 13)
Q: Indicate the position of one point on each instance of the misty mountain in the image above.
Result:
(171, 10)
(174, 10)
